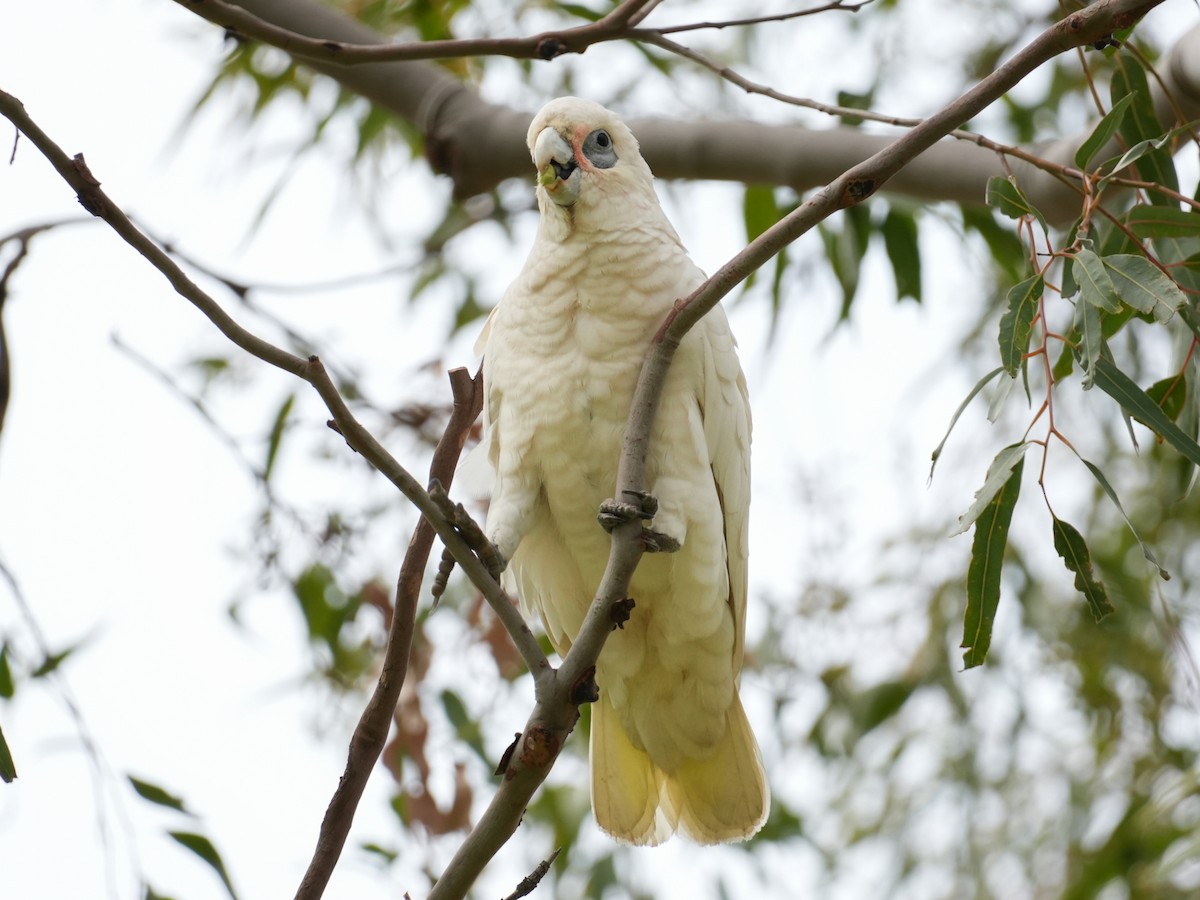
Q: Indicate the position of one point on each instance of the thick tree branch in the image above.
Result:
(557, 708)
(479, 145)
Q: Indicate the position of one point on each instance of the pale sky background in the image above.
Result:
(121, 513)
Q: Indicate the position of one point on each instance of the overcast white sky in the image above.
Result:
(120, 511)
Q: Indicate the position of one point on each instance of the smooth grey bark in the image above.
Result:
(478, 144)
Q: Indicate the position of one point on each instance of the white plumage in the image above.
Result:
(671, 747)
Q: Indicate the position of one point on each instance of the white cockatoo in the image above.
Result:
(671, 747)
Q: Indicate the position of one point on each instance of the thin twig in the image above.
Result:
(619, 24)
(527, 884)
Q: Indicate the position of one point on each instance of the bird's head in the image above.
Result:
(583, 153)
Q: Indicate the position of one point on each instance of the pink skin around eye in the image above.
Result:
(581, 133)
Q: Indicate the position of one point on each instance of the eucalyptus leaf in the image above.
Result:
(979, 386)
(1017, 322)
(997, 476)
(1010, 200)
(1070, 545)
(1103, 132)
(1141, 406)
(983, 573)
(203, 848)
(1143, 285)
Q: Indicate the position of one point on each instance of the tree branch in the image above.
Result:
(478, 144)
(370, 735)
(557, 707)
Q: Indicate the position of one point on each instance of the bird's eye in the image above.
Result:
(598, 148)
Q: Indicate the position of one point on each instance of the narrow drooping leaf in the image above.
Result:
(997, 476)
(1112, 495)
(1170, 394)
(1140, 151)
(158, 795)
(1091, 340)
(277, 428)
(1141, 123)
(1010, 200)
(979, 386)
(1138, 404)
(1070, 545)
(1103, 132)
(8, 769)
(468, 729)
(759, 209)
(983, 573)
(1162, 222)
(899, 230)
(1095, 286)
(1143, 285)
(8, 687)
(203, 848)
(1017, 322)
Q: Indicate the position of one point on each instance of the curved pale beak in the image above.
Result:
(557, 170)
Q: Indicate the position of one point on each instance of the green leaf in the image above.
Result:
(1091, 340)
(997, 476)
(1112, 495)
(203, 848)
(759, 210)
(979, 386)
(1170, 394)
(277, 429)
(1138, 404)
(1103, 132)
(1010, 200)
(1162, 221)
(1069, 544)
(1153, 164)
(983, 574)
(1138, 152)
(1143, 285)
(8, 687)
(158, 795)
(1017, 322)
(899, 230)
(152, 894)
(1094, 284)
(1004, 247)
(467, 729)
(8, 769)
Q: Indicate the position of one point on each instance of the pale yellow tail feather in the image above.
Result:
(715, 800)
(626, 785)
(724, 797)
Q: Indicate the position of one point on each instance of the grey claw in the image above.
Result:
(657, 542)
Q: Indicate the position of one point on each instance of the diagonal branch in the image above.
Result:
(370, 735)
(557, 708)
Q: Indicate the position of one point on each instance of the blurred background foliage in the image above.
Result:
(1065, 766)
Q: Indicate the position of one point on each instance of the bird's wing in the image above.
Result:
(725, 406)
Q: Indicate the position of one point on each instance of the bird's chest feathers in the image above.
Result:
(575, 337)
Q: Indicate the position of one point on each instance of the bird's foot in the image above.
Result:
(617, 512)
(657, 542)
(643, 509)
